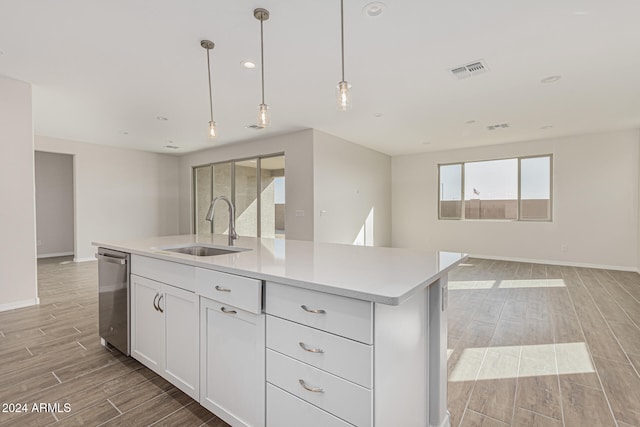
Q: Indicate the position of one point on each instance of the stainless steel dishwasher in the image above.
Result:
(113, 298)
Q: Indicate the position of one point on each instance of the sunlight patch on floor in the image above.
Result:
(490, 363)
(455, 285)
(505, 284)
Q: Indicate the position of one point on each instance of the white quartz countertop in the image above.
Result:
(382, 275)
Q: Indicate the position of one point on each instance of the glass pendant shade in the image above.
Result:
(264, 116)
(213, 132)
(343, 93)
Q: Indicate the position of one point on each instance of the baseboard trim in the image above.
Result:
(76, 259)
(556, 262)
(54, 255)
(19, 304)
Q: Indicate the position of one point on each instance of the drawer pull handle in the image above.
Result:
(314, 311)
(313, 389)
(219, 289)
(225, 311)
(310, 350)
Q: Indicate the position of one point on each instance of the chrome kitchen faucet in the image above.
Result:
(232, 217)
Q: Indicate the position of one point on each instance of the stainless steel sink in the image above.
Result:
(202, 250)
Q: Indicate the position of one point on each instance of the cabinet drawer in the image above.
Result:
(343, 316)
(286, 410)
(344, 399)
(340, 356)
(174, 274)
(239, 291)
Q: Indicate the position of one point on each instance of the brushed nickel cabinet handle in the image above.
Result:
(160, 299)
(154, 301)
(310, 350)
(219, 289)
(311, 310)
(225, 311)
(313, 389)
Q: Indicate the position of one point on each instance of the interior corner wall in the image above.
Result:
(595, 204)
(298, 150)
(351, 185)
(54, 204)
(120, 194)
(18, 283)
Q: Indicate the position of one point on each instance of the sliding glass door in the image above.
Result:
(256, 187)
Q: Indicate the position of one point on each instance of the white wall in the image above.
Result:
(18, 286)
(54, 204)
(119, 193)
(352, 192)
(298, 149)
(595, 205)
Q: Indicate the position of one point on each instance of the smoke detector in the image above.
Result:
(469, 70)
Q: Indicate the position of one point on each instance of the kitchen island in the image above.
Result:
(284, 333)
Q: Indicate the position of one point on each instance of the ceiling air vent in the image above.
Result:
(498, 126)
(254, 127)
(469, 70)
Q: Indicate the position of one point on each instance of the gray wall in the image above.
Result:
(54, 204)
(120, 194)
(298, 150)
(595, 204)
(18, 286)
(352, 192)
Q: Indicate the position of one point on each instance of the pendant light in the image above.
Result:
(208, 45)
(343, 88)
(264, 116)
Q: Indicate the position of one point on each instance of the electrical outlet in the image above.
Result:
(299, 213)
(39, 242)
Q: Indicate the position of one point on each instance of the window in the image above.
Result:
(256, 187)
(506, 189)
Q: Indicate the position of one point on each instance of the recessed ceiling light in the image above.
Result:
(1, 52)
(124, 132)
(426, 143)
(254, 127)
(470, 122)
(377, 115)
(550, 79)
(162, 119)
(373, 9)
(581, 13)
(171, 147)
(546, 127)
(248, 64)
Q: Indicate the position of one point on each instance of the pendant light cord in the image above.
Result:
(210, 95)
(262, 55)
(342, 33)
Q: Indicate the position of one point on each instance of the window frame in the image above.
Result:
(461, 216)
(232, 163)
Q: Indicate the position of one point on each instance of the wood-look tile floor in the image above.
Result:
(51, 353)
(530, 345)
(543, 345)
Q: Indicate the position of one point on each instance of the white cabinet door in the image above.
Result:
(147, 323)
(232, 363)
(181, 339)
(164, 332)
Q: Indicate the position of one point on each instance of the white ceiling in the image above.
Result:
(102, 68)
